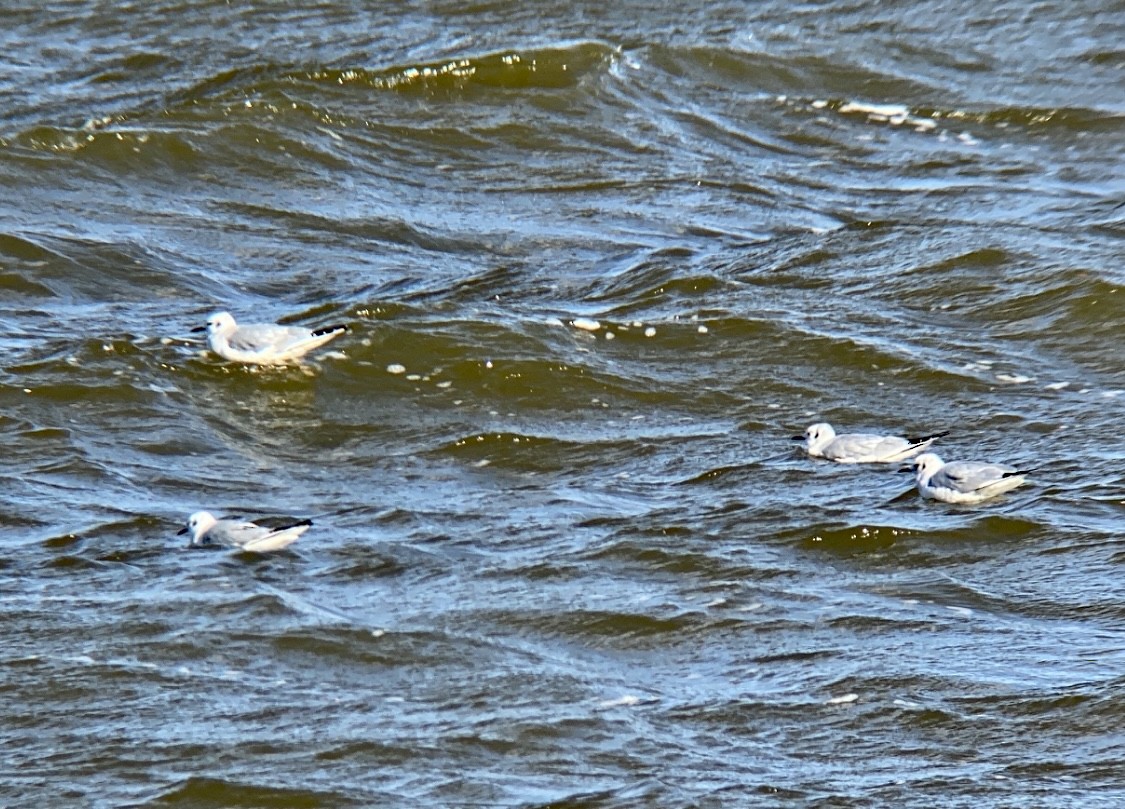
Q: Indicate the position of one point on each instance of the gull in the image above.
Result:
(821, 441)
(962, 481)
(263, 343)
(207, 530)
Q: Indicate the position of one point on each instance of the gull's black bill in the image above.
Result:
(199, 328)
(181, 532)
(906, 469)
(797, 438)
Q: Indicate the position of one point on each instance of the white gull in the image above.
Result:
(206, 530)
(963, 481)
(821, 441)
(263, 343)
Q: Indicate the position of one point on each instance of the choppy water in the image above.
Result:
(550, 567)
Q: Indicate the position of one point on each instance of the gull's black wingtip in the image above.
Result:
(339, 327)
(923, 439)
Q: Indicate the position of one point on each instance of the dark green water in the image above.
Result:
(548, 567)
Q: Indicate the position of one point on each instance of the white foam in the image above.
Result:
(395, 368)
(586, 324)
(843, 700)
(894, 114)
(627, 701)
(885, 110)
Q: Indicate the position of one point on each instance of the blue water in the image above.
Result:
(550, 566)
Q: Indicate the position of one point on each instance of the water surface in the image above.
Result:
(550, 565)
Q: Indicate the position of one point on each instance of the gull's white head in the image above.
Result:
(199, 524)
(221, 324)
(818, 436)
(926, 465)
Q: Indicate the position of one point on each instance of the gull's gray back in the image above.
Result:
(257, 336)
(969, 476)
(235, 532)
(863, 444)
